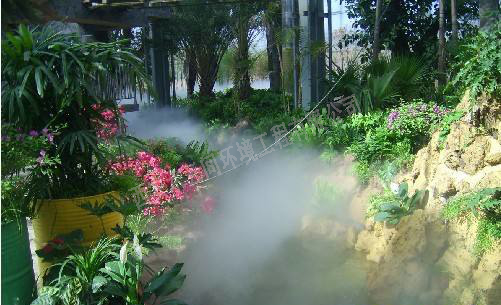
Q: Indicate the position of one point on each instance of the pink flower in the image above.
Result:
(189, 190)
(178, 194)
(208, 205)
(160, 184)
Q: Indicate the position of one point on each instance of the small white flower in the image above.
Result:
(394, 188)
(137, 248)
(123, 253)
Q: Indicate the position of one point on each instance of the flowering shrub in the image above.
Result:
(23, 152)
(24, 149)
(109, 126)
(164, 186)
(416, 118)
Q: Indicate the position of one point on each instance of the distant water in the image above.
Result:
(181, 91)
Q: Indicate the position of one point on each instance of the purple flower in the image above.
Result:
(392, 117)
(436, 109)
(50, 137)
(20, 137)
(5, 138)
(45, 131)
(33, 133)
(40, 159)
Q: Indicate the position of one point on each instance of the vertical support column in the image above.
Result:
(288, 47)
(329, 32)
(313, 58)
(159, 67)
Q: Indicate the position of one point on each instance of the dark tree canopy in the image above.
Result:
(408, 26)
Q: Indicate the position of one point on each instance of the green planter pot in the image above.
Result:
(18, 280)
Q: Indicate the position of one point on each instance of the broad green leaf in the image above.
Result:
(171, 286)
(163, 277)
(98, 282)
(382, 216)
(402, 190)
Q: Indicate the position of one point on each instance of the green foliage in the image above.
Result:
(263, 109)
(326, 197)
(406, 26)
(61, 246)
(479, 65)
(309, 135)
(108, 273)
(173, 152)
(401, 205)
(484, 206)
(53, 79)
(74, 277)
(381, 141)
(446, 123)
(23, 154)
(381, 83)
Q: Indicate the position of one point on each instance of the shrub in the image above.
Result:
(479, 65)
(483, 205)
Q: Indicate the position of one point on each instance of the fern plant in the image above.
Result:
(483, 205)
(479, 65)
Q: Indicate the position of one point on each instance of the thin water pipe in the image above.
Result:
(280, 139)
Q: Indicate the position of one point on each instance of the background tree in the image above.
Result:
(246, 27)
(489, 13)
(441, 43)
(454, 21)
(407, 26)
(204, 31)
(376, 44)
(273, 24)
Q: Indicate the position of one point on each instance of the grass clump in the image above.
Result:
(485, 207)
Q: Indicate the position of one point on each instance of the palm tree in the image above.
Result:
(454, 35)
(441, 43)
(377, 28)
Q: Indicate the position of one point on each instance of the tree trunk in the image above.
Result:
(272, 49)
(489, 13)
(441, 43)
(454, 35)
(191, 78)
(173, 77)
(241, 80)
(376, 45)
(207, 67)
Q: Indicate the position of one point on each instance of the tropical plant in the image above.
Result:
(479, 65)
(204, 32)
(122, 278)
(71, 281)
(54, 79)
(108, 273)
(382, 82)
(402, 205)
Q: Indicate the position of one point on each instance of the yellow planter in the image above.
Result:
(62, 216)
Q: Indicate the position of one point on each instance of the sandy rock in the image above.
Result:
(487, 277)
(474, 155)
